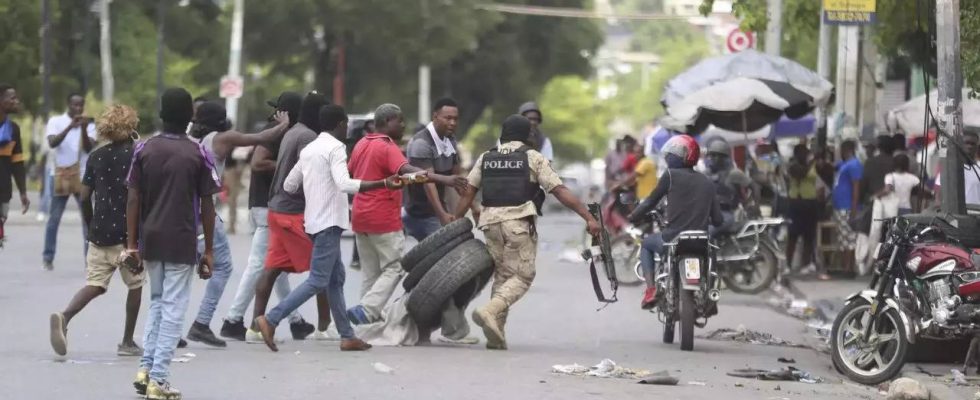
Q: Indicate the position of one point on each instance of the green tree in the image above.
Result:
(904, 29)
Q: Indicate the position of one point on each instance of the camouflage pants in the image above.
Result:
(513, 245)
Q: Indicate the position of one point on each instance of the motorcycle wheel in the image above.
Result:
(626, 256)
(687, 320)
(868, 362)
(669, 330)
(752, 276)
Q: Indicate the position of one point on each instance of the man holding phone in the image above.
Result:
(71, 137)
(171, 183)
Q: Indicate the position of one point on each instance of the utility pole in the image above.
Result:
(950, 116)
(823, 69)
(105, 52)
(235, 56)
(45, 59)
(161, 20)
(774, 28)
(425, 80)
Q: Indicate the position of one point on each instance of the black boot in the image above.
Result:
(233, 330)
(202, 333)
(301, 329)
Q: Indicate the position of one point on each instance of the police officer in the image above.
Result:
(512, 177)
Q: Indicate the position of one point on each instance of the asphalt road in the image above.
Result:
(556, 323)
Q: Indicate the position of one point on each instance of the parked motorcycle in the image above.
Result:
(926, 284)
(689, 285)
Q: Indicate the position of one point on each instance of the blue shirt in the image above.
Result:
(848, 172)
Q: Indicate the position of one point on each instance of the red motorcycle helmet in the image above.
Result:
(684, 147)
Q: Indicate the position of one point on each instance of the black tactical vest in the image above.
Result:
(506, 180)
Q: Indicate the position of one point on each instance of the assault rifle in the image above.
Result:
(601, 253)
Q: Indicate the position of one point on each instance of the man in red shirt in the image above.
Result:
(376, 218)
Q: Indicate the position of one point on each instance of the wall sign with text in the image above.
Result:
(849, 12)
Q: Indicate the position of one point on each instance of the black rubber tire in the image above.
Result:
(901, 353)
(425, 264)
(470, 290)
(669, 330)
(769, 262)
(429, 297)
(436, 240)
(687, 319)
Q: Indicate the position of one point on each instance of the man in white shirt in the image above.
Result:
(71, 137)
(321, 175)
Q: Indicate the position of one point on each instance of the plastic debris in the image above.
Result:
(959, 379)
(785, 374)
(604, 369)
(745, 335)
(570, 369)
(383, 369)
(184, 358)
(786, 360)
(659, 378)
(696, 383)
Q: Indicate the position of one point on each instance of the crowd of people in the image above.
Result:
(148, 211)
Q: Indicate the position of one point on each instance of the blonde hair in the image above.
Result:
(117, 123)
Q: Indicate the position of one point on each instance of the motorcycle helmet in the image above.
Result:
(719, 145)
(684, 149)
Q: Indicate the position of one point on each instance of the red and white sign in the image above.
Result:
(231, 87)
(739, 40)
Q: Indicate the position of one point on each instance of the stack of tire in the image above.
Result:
(449, 265)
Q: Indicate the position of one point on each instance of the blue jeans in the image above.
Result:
(256, 264)
(58, 204)
(326, 276)
(170, 291)
(652, 245)
(420, 227)
(46, 193)
(219, 275)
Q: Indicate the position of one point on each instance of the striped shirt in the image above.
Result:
(322, 174)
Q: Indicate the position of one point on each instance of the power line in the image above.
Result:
(572, 12)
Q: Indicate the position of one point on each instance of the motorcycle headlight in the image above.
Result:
(913, 264)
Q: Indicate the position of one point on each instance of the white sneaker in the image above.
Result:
(255, 337)
(41, 217)
(330, 334)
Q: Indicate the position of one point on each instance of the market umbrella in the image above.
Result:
(740, 105)
(910, 116)
(787, 127)
(745, 64)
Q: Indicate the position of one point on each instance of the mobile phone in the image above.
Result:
(131, 262)
(203, 270)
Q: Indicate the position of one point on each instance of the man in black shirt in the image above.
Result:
(11, 154)
(691, 205)
(105, 181)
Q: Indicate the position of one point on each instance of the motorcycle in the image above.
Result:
(748, 254)
(689, 285)
(926, 284)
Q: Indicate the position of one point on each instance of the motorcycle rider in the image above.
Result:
(691, 205)
(732, 186)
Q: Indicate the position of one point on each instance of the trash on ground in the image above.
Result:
(739, 385)
(604, 369)
(571, 255)
(907, 389)
(570, 369)
(659, 378)
(786, 360)
(959, 379)
(745, 335)
(383, 369)
(184, 358)
(696, 383)
(785, 374)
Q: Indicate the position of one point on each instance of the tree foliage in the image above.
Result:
(904, 29)
(487, 60)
